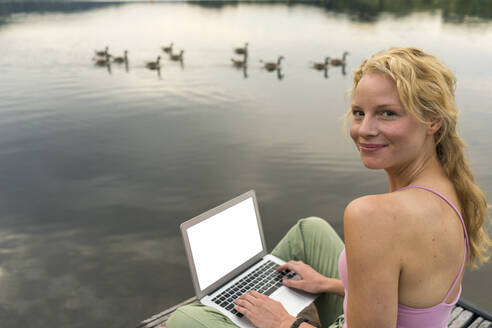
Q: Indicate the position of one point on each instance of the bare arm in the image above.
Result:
(373, 263)
(311, 280)
(334, 286)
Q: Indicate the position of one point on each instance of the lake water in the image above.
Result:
(99, 167)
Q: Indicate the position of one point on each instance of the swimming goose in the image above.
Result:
(338, 61)
(271, 66)
(154, 65)
(168, 49)
(239, 63)
(176, 57)
(321, 66)
(103, 61)
(101, 53)
(123, 59)
(242, 51)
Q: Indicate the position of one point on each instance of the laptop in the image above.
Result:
(227, 256)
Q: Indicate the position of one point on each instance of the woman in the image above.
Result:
(405, 250)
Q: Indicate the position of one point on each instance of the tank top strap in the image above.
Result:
(450, 203)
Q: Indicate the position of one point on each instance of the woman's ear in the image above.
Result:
(434, 126)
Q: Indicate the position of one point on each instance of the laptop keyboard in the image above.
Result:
(265, 279)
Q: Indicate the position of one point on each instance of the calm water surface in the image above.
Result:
(98, 167)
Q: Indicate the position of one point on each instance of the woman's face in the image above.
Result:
(385, 134)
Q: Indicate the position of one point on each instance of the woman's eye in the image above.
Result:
(388, 113)
(357, 113)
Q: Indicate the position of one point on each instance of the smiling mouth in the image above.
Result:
(369, 148)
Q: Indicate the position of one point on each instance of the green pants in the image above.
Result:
(311, 240)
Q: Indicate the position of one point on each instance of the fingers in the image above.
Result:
(241, 309)
(255, 294)
(250, 297)
(291, 265)
(246, 302)
(293, 283)
(284, 266)
(242, 305)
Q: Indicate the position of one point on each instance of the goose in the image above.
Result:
(123, 59)
(338, 61)
(154, 65)
(103, 61)
(101, 53)
(168, 49)
(239, 63)
(176, 57)
(242, 51)
(271, 66)
(321, 66)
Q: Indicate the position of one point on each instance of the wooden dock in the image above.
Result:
(160, 319)
(464, 315)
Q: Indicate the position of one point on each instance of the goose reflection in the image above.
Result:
(325, 74)
(280, 75)
(104, 62)
(240, 65)
(322, 66)
(157, 71)
(343, 69)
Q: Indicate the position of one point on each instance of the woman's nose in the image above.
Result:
(368, 127)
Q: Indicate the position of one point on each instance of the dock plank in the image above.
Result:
(485, 324)
(463, 320)
(455, 313)
(162, 317)
(462, 316)
(476, 323)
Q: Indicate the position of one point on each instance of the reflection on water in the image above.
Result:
(454, 11)
(99, 169)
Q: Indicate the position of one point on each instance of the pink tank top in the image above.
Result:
(436, 316)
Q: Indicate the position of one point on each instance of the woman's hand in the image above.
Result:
(311, 281)
(263, 311)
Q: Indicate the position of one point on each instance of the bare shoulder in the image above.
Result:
(380, 215)
(399, 216)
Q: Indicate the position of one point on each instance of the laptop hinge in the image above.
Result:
(240, 273)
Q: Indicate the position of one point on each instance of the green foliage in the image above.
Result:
(458, 11)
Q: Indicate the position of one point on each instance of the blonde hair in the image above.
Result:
(426, 89)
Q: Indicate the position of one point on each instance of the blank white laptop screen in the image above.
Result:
(224, 241)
